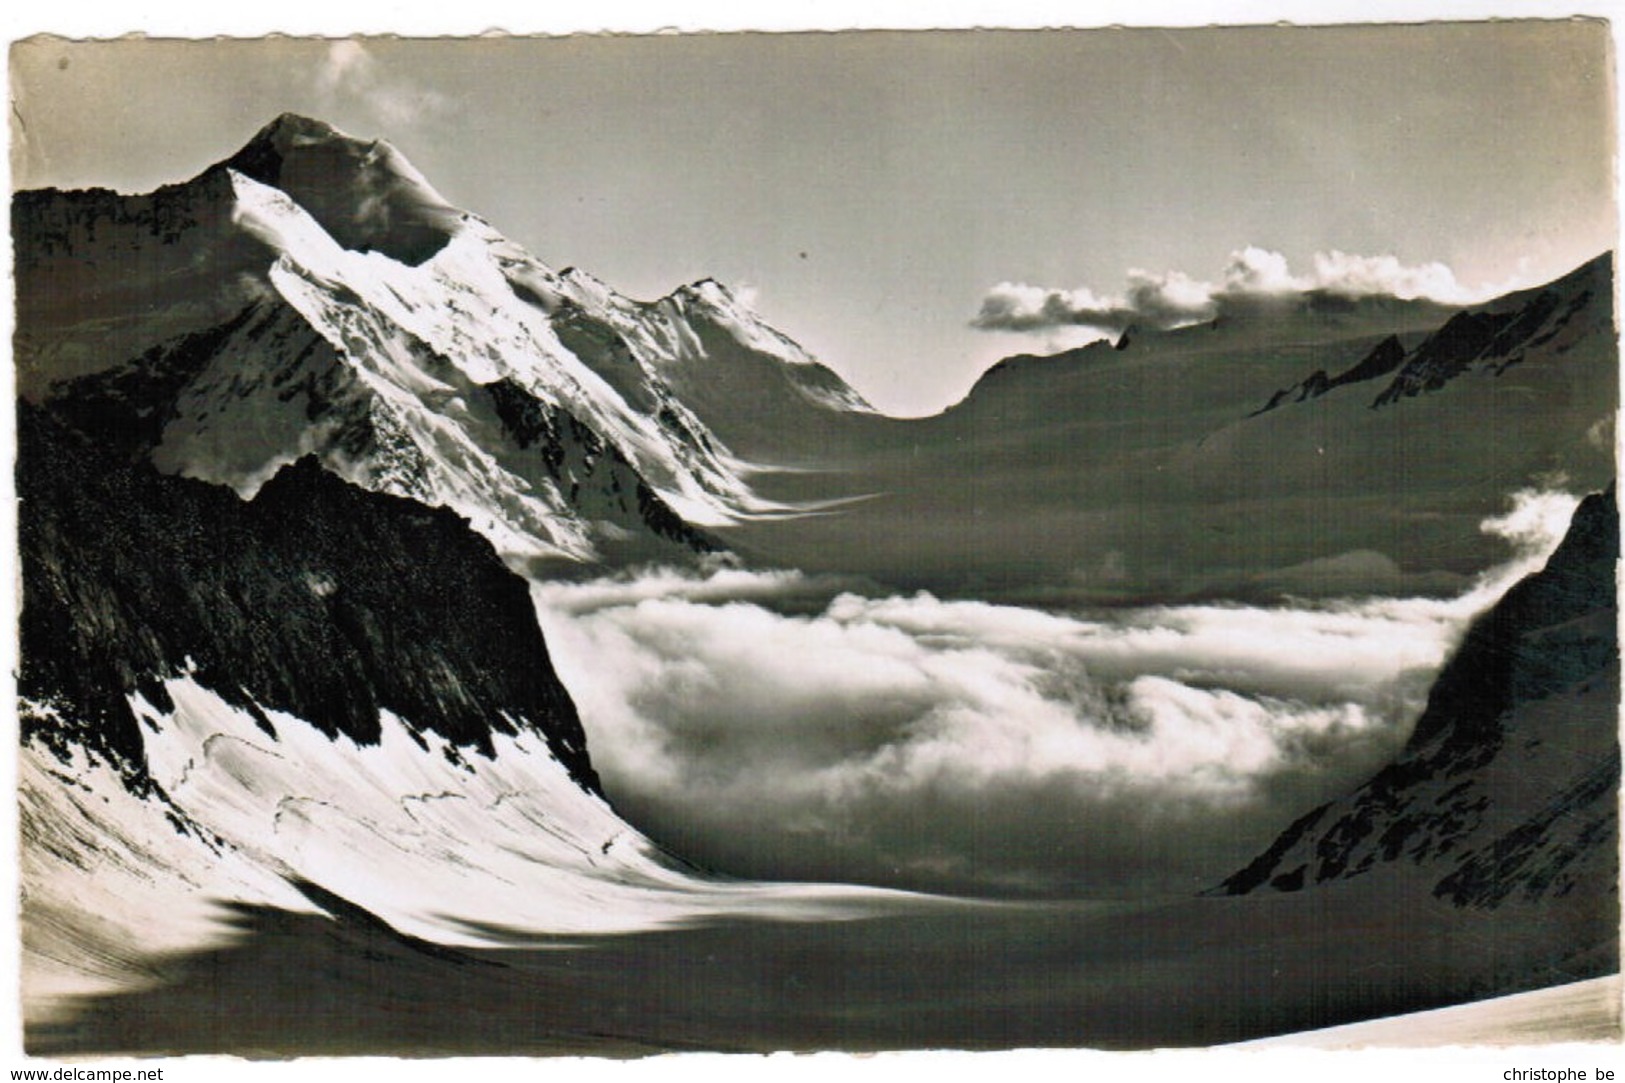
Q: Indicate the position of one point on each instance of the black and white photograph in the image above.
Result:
(622, 545)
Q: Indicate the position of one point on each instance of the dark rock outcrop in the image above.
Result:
(574, 457)
(1495, 339)
(316, 598)
(1508, 786)
(1385, 358)
(1491, 338)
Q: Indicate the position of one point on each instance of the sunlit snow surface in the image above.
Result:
(461, 849)
(109, 882)
(458, 849)
(414, 342)
(1586, 1011)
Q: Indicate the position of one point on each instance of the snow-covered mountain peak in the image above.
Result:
(708, 290)
(289, 129)
(436, 381)
(363, 192)
(591, 293)
(315, 295)
(368, 197)
(712, 300)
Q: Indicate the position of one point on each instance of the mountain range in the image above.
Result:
(1147, 470)
(313, 295)
(297, 440)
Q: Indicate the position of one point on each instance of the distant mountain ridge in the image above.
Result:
(1146, 469)
(1388, 355)
(326, 301)
(1490, 338)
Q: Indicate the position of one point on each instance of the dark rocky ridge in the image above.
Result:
(1530, 646)
(316, 598)
(1387, 356)
(50, 222)
(100, 276)
(1496, 338)
(1507, 789)
(1492, 337)
(572, 454)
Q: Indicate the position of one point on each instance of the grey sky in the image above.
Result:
(872, 188)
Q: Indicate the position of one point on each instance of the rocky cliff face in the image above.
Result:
(316, 598)
(1495, 339)
(1507, 789)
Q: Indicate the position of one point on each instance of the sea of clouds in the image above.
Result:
(767, 724)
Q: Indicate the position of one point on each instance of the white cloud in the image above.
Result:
(1370, 276)
(1535, 518)
(1016, 306)
(966, 745)
(1163, 300)
(350, 75)
(1257, 271)
(1176, 299)
(348, 67)
(1170, 299)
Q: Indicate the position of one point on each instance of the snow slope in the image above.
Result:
(1582, 1011)
(444, 847)
(322, 699)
